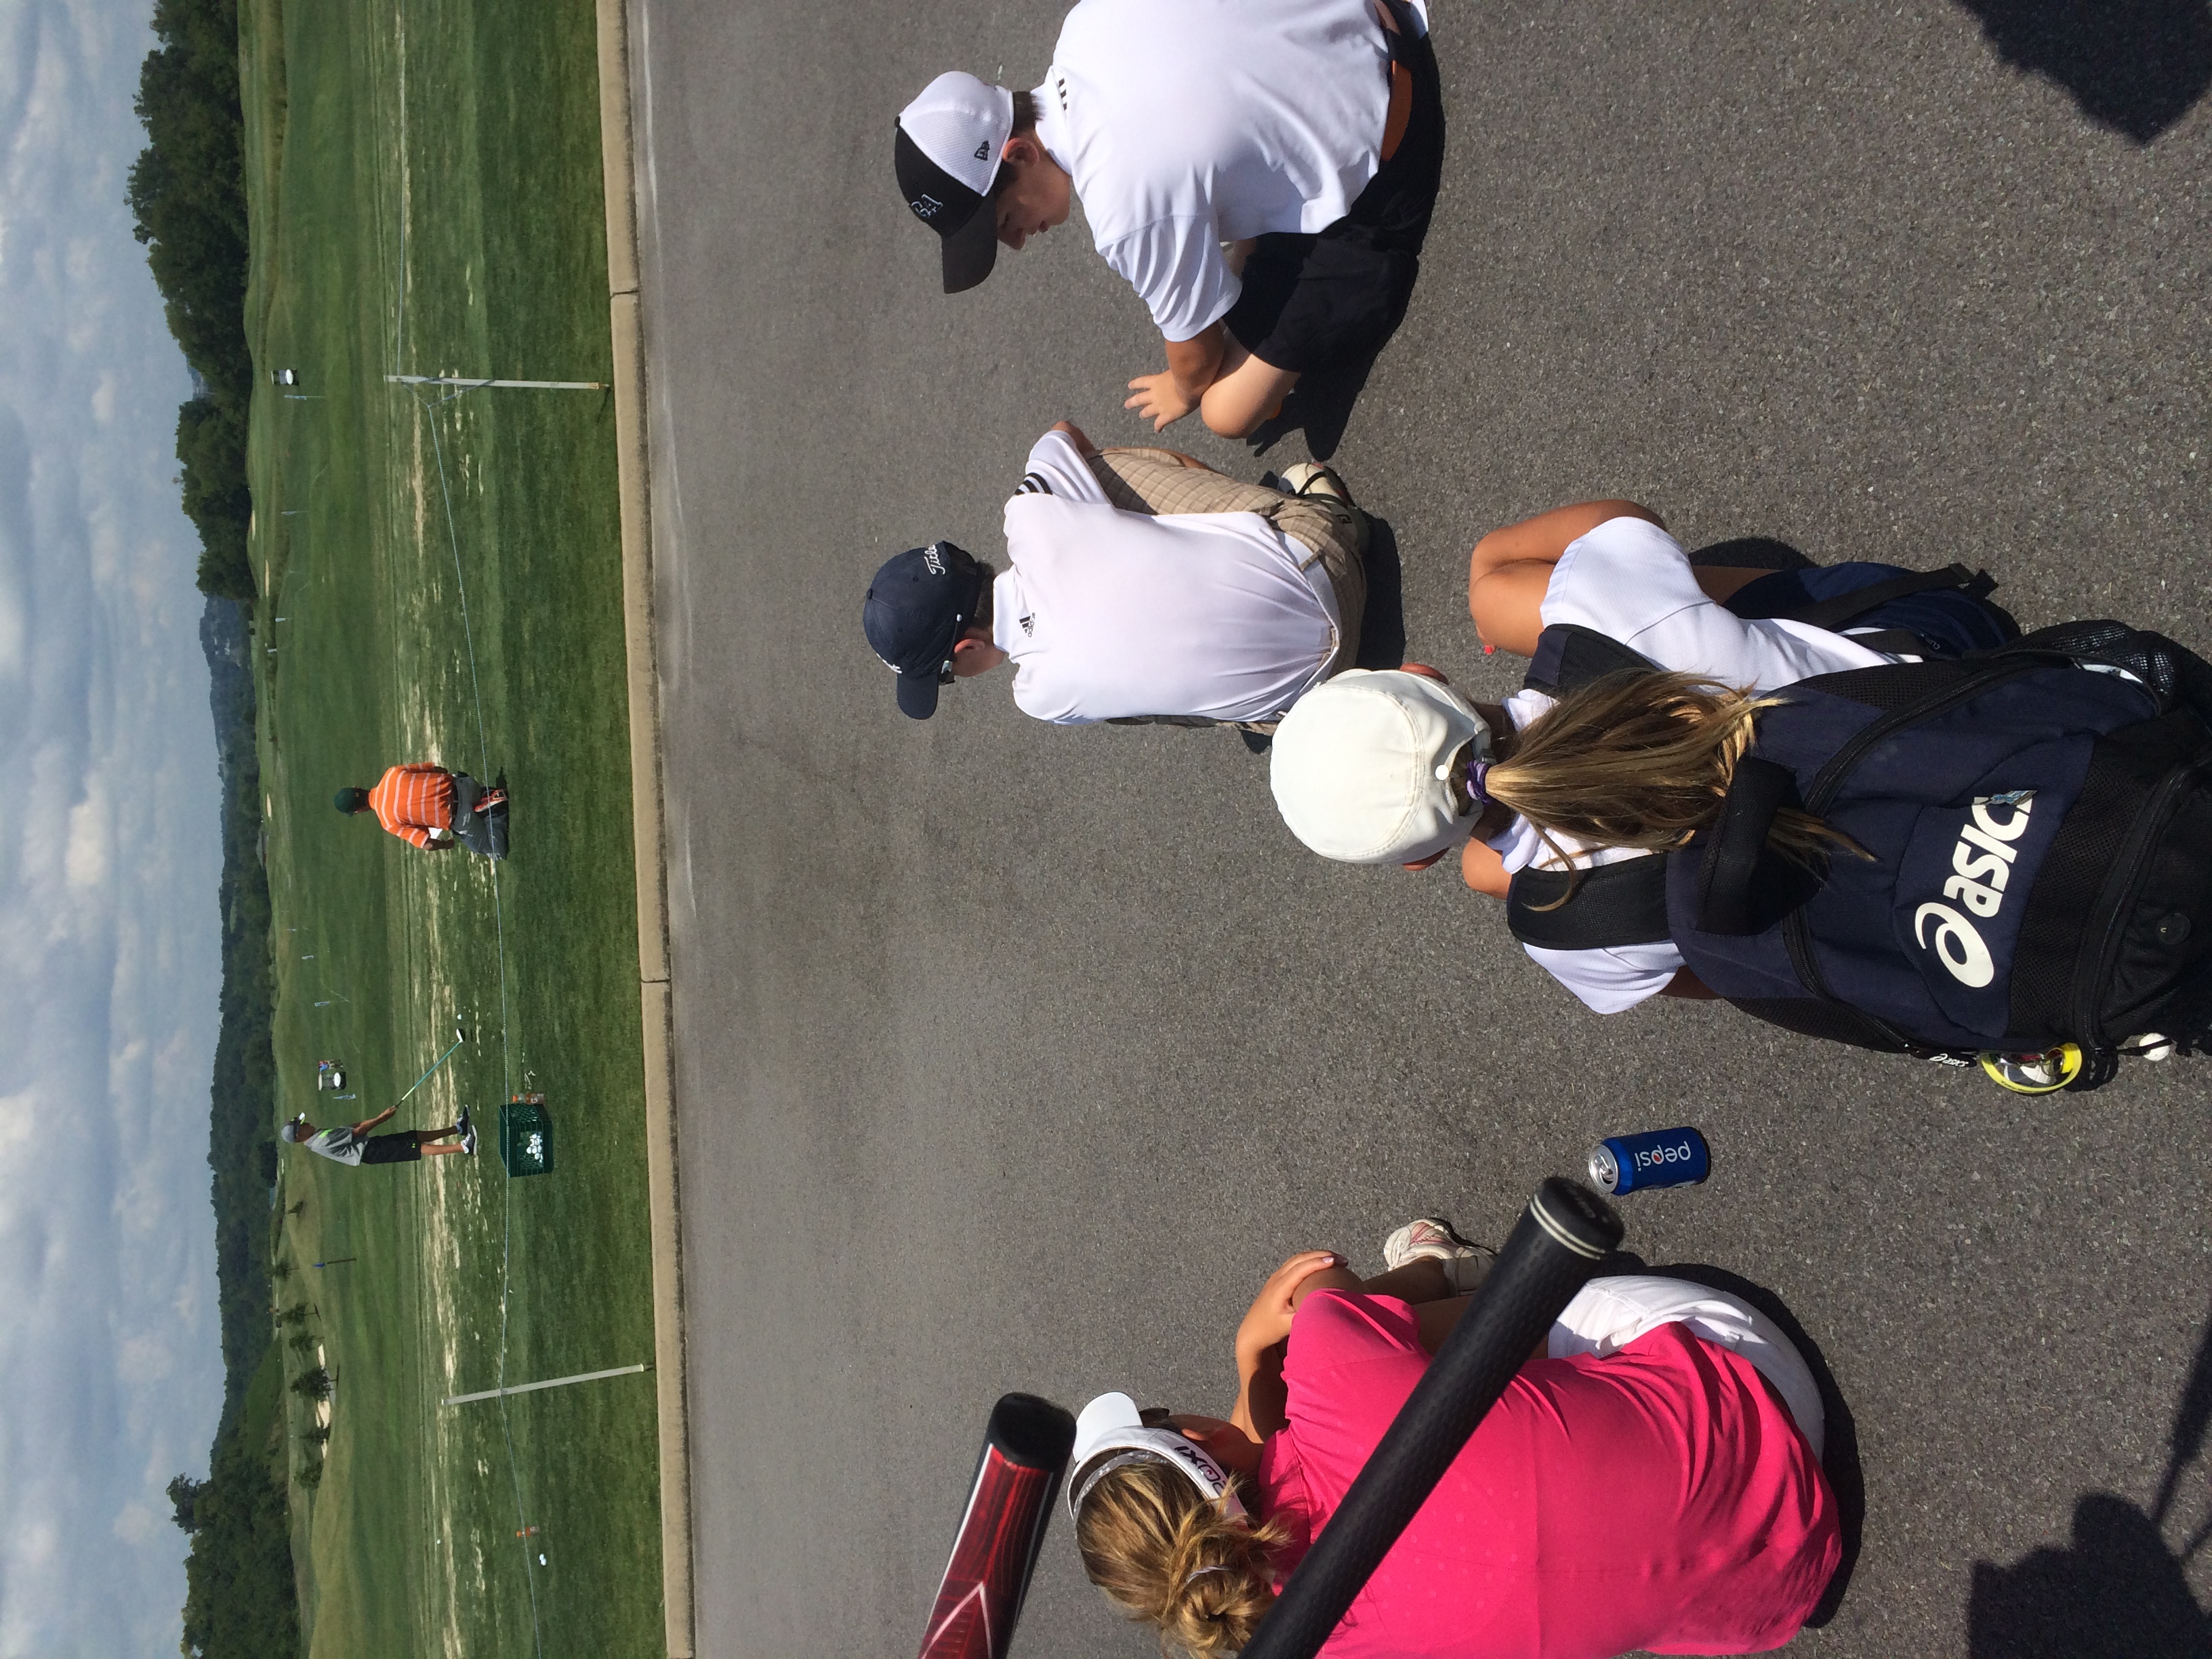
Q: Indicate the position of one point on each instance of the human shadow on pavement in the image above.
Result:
(1383, 628)
(2135, 66)
(2118, 1588)
(1839, 1461)
(1319, 405)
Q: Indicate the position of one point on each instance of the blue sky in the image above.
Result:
(109, 856)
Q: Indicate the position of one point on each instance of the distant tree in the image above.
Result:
(187, 190)
(312, 1384)
(309, 1475)
(184, 1493)
(211, 443)
(294, 1315)
(240, 1602)
(304, 1343)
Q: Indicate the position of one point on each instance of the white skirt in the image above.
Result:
(1611, 1313)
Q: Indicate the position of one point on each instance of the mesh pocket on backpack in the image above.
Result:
(2166, 940)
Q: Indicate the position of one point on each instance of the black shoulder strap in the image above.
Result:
(1609, 904)
(1568, 655)
(1736, 870)
(1847, 608)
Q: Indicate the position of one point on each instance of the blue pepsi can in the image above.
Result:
(1662, 1157)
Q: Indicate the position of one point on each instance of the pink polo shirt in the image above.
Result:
(1660, 1498)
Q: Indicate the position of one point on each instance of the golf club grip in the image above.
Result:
(1025, 1450)
(1554, 1248)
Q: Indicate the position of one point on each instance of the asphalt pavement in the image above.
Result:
(1014, 1057)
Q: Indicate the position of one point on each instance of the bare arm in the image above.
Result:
(1542, 539)
(1260, 1398)
(369, 1123)
(1688, 984)
(1195, 362)
(1083, 445)
(1510, 569)
(1165, 399)
(1244, 395)
(1483, 870)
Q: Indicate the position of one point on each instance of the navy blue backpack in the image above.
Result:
(2040, 818)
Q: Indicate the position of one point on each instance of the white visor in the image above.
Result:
(1361, 766)
(1111, 1432)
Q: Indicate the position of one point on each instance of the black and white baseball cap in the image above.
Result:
(949, 142)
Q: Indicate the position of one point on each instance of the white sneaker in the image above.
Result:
(1313, 478)
(1432, 1238)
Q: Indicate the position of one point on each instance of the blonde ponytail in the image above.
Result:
(1643, 761)
(1177, 1561)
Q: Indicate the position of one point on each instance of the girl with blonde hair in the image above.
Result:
(1650, 1480)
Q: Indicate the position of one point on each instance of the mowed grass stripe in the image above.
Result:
(468, 137)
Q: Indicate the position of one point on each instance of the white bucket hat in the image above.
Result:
(1111, 1432)
(1361, 766)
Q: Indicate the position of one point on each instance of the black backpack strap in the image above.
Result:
(1847, 608)
(1570, 655)
(1892, 642)
(1736, 852)
(1609, 904)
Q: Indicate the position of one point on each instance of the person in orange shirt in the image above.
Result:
(434, 809)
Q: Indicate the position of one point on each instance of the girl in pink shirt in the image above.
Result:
(1650, 1480)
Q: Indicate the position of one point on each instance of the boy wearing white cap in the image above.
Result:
(1262, 172)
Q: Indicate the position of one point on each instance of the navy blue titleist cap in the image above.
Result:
(919, 605)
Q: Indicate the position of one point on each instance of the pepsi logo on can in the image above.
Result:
(1660, 1157)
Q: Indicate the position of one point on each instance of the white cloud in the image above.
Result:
(109, 852)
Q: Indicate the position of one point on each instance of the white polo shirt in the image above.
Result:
(1187, 124)
(1630, 580)
(1108, 614)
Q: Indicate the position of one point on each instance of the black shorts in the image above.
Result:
(401, 1148)
(1309, 301)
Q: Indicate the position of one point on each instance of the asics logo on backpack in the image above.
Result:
(1981, 864)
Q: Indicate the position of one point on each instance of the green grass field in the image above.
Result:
(425, 188)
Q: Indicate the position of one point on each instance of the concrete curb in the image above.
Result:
(633, 469)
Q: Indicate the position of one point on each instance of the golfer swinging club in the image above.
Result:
(1262, 172)
(355, 1146)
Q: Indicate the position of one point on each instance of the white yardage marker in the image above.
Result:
(550, 1383)
(529, 386)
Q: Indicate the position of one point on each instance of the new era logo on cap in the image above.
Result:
(947, 154)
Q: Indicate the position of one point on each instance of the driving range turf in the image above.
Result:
(425, 189)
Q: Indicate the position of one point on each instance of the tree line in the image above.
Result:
(241, 1140)
(239, 1596)
(240, 1599)
(187, 200)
